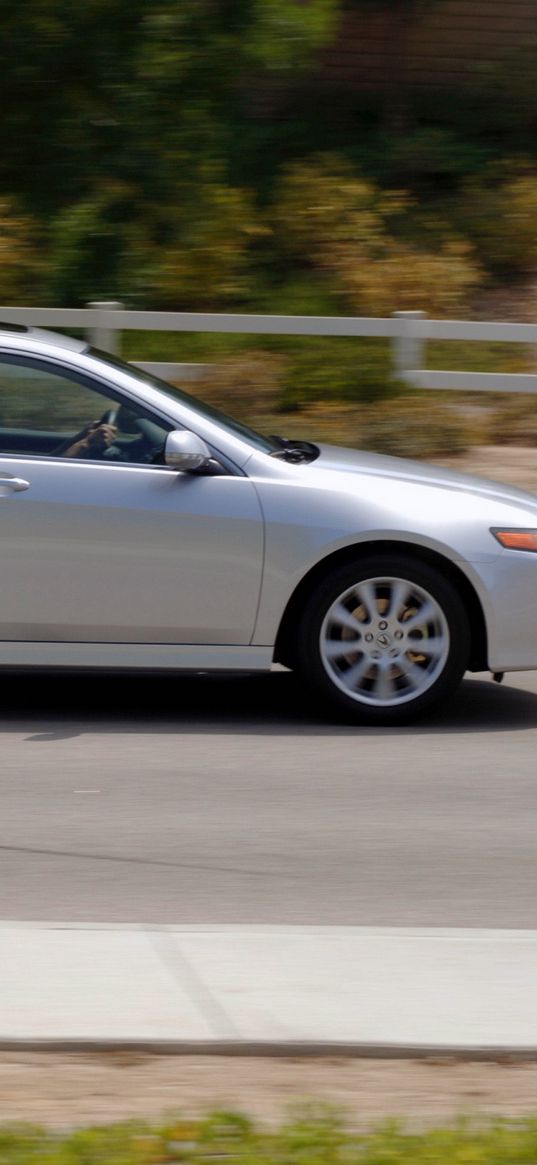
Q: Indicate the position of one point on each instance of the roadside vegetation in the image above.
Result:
(314, 1139)
(193, 158)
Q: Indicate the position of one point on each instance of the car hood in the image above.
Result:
(332, 458)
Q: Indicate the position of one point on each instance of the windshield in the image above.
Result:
(266, 444)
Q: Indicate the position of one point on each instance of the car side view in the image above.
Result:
(142, 529)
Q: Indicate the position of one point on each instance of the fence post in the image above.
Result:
(408, 348)
(104, 334)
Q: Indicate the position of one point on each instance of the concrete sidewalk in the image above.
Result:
(268, 988)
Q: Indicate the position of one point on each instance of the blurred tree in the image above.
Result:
(127, 141)
(116, 114)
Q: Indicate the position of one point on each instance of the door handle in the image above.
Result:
(15, 484)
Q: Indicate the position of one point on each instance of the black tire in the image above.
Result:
(427, 670)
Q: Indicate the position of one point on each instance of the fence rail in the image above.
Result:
(409, 332)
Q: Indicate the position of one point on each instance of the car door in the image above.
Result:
(101, 547)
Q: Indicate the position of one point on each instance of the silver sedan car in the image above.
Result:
(141, 529)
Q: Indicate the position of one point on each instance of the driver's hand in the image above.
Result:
(94, 438)
(99, 436)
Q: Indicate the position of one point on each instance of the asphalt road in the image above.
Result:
(225, 800)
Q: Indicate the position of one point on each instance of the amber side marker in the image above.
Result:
(517, 539)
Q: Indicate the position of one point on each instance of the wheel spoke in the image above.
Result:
(356, 673)
(397, 599)
(416, 676)
(344, 618)
(383, 686)
(433, 646)
(426, 614)
(337, 648)
(367, 596)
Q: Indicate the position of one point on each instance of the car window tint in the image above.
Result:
(46, 411)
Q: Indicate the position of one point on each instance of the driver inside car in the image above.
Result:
(122, 434)
(92, 441)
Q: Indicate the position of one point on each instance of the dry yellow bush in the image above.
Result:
(18, 255)
(513, 422)
(243, 385)
(340, 224)
(322, 202)
(404, 278)
(409, 426)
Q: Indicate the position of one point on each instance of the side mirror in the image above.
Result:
(184, 450)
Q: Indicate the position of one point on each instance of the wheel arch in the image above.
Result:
(283, 651)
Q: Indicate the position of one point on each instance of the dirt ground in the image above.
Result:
(65, 1091)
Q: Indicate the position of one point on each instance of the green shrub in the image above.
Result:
(501, 218)
(286, 33)
(295, 374)
(188, 254)
(328, 370)
(432, 159)
(318, 1137)
(206, 259)
(85, 247)
(303, 293)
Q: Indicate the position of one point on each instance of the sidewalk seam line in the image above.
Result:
(192, 982)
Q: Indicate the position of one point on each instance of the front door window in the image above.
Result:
(51, 412)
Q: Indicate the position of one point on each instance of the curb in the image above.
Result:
(245, 1049)
(270, 991)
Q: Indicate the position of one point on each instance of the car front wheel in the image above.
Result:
(384, 640)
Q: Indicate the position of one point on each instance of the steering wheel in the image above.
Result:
(110, 416)
(147, 437)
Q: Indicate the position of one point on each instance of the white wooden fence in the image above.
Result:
(408, 332)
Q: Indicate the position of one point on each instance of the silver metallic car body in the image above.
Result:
(120, 565)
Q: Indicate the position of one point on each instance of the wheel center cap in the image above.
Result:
(384, 640)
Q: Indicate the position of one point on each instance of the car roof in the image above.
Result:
(42, 336)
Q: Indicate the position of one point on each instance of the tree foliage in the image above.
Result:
(135, 165)
(118, 117)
